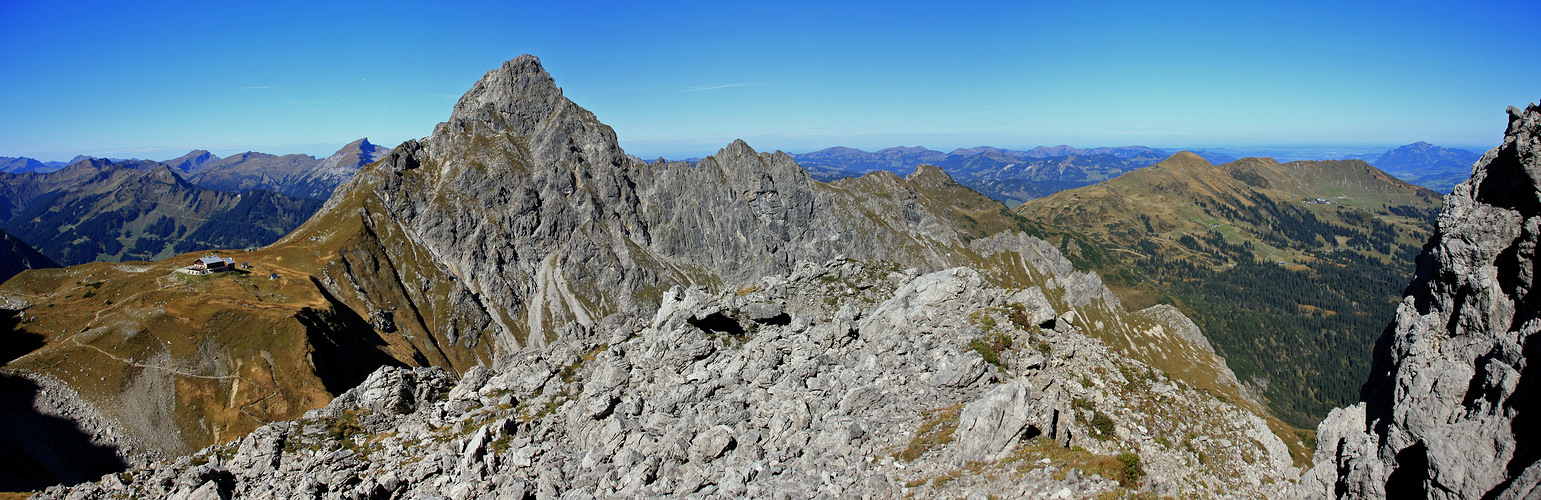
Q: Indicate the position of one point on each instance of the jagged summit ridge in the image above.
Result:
(515, 97)
(1450, 406)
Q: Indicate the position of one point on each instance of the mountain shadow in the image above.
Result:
(347, 349)
(39, 450)
(15, 343)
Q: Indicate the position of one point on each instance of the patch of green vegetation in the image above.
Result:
(1081, 403)
(1251, 178)
(935, 431)
(343, 428)
(990, 346)
(502, 443)
(1308, 440)
(1129, 476)
(1102, 425)
(1126, 468)
(943, 479)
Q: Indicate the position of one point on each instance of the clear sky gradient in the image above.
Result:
(122, 79)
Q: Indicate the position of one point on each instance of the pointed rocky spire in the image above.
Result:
(513, 98)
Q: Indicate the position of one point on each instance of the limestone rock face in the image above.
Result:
(1452, 401)
(836, 396)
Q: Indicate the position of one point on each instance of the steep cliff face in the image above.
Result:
(1451, 404)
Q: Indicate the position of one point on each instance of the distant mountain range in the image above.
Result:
(1006, 175)
(100, 210)
(1016, 176)
(1428, 165)
(297, 175)
(20, 165)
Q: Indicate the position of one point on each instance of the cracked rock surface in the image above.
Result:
(1451, 406)
(935, 385)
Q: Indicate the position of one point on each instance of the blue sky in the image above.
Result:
(125, 80)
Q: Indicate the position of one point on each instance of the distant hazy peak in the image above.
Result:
(164, 174)
(196, 153)
(192, 161)
(840, 150)
(21, 165)
(979, 150)
(1060, 150)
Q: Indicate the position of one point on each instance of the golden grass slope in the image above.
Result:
(1186, 195)
(186, 361)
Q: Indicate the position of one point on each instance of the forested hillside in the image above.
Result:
(1291, 269)
(99, 210)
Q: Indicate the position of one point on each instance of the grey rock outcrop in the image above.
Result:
(1450, 407)
(838, 400)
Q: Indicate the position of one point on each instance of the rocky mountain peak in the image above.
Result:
(1512, 178)
(165, 175)
(1448, 408)
(929, 173)
(192, 161)
(515, 97)
(355, 154)
(360, 145)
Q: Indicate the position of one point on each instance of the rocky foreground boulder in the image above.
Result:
(1451, 407)
(843, 378)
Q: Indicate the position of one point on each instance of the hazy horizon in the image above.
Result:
(121, 80)
(1281, 152)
